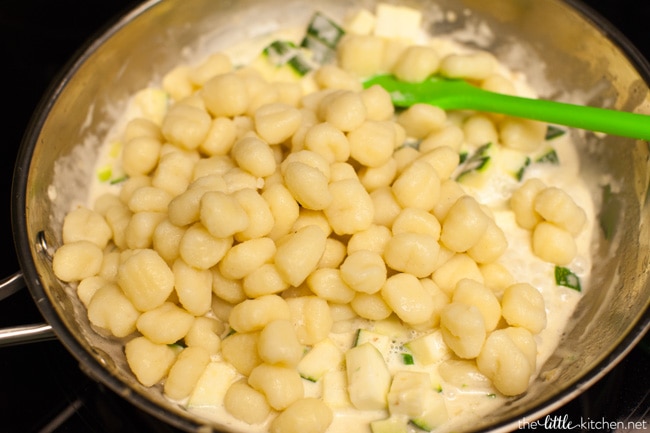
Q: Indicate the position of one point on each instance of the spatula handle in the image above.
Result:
(612, 122)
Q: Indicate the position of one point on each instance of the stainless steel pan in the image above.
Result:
(567, 52)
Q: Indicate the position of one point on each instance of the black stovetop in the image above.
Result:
(42, 388)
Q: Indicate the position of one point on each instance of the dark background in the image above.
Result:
(39, 381)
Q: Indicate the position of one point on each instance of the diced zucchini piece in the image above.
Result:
(491, 159)
(361, 22)
(320, 53)
(548, 156)
(112, 171)
(279, 53)
(428, 348)
(335, 389)
(480, 158)
(565, 277)
(435, 415)
(392, 424)
(324, 30)
(381, 341)
(407, 359)
(404, 390)
(299, 65)
(435, 378)
(554, 132)
(512, 162)
(412, 395)
(464, 374)
(475, 164)
(399, 22)
(213, 384)
(368, 377)
(323, 35)
(282, 60)
(392, 327)
(104, 173)
(323, 357)
(519, 175)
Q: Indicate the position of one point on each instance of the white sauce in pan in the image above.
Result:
(463, 403)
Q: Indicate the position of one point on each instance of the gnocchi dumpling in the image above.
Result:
(508, 359)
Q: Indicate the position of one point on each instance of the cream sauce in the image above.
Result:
(463, 405)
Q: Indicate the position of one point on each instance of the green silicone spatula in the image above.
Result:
(455, 94)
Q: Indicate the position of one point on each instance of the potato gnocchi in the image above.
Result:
(282, 248)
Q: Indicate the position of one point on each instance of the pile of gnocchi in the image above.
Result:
(286, 249)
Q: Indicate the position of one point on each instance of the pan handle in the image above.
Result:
(21, 334)
(11, 284)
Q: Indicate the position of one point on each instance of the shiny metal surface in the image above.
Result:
(21, 334)
(564, 50)
(26, 334)
(11, 284)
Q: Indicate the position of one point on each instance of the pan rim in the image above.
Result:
(26, 262)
